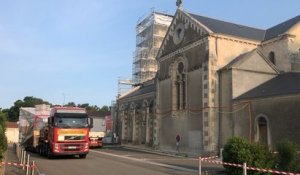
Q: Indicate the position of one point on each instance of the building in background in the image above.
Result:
(150, 33)
(12, 132)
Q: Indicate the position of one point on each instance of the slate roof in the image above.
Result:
(281, 28)
(283, 84)
(218, 26)
(142, 90)
(228, 28)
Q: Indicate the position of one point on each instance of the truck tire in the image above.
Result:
(40, 150)
(49, 153)
(82, 156)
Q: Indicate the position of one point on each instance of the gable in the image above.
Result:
(295, 30)
(252, 61)
(182, 24)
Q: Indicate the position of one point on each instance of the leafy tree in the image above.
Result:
(287, 156)
(105, 110)
(71, 104)
(3, 118)
(239, 151)
(29, 101)
(84, 105)
(3, 140)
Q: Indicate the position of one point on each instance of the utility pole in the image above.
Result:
(64, 98)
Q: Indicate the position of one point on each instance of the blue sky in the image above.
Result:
(77, 49)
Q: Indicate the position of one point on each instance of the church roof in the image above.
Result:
(281, 28)
(141, 91)
(283, 84)
(218, 26)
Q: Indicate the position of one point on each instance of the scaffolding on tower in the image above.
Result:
(150, 33)
(124, 85)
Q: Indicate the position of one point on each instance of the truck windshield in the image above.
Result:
(69, 121)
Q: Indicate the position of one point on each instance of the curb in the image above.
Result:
(171, 154)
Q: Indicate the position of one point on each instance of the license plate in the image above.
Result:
(72, 147)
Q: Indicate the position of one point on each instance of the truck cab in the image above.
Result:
(67, 133)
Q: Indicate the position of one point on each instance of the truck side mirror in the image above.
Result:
(91, 122)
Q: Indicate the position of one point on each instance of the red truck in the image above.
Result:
(67, 133)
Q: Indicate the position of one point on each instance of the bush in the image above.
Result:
(3, 140)
(239, 151)
(287, 156)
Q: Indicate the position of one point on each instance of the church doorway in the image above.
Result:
(262, 130)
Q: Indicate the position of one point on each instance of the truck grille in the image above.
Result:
(71, 147)
(74, 137)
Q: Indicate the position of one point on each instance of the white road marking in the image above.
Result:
(147, 161)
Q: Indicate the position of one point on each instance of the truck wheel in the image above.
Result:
(49, 154)
(40, 151)
(82, 156)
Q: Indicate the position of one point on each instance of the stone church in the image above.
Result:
(216, 80)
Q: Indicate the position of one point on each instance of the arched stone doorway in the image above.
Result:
(262, 130)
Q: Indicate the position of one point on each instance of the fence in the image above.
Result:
(27, 165)
(244, 166)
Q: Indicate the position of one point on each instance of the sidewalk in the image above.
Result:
(11, 156)
(207, 169)
(155, 151)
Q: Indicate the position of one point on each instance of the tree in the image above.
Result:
(3, 140)
(104, 110)
(239, 151)
(287, 156)
(70, 104)
(29, 101)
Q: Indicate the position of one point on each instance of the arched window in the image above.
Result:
(180, 87)
(272, 57)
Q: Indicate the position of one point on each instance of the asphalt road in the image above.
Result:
(114, 161)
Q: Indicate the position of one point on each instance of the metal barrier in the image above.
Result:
(28, 166)
(244, 166)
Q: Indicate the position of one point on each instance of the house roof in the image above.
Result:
(283, 84)
(218, 26)
(11, 124)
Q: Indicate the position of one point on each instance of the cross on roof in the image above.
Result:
(179, 3)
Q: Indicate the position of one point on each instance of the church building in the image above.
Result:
(216, 80)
